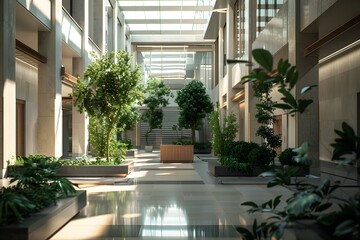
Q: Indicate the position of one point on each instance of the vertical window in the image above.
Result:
(216, 63)
(224, 51)
(239, 36)
(266, 10)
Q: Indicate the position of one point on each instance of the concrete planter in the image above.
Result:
(176, 153)
(216, 169)
(121, 170)
(44, 224)
(148, 149)
(131, 153)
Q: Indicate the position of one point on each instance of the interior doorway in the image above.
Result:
(20, 128)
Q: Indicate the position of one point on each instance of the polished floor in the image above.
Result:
(166, 201)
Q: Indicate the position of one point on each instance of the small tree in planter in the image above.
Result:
(157, 98)
(194, 104)
(111, 83)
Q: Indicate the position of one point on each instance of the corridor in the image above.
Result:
(167, 201)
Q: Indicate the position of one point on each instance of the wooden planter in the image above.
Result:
(216, 169)
(121, 170)
(44, 224)
(176, 153)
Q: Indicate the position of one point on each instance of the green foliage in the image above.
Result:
(157, 97)
(221, 135)
(216, 133)
(233, 163)
(346, 144)
(36, 187)
(98, 136)
(127, 121)
(264, 80)
(286, 157)
(194, 104)
(240, 155)
(310, 202)
(111, 84)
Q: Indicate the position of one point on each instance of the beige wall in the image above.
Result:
(27, 90)
(338, 87)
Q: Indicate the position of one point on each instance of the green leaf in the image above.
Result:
(283, 66)
(346, 227)
(303, 104)
(267, 174)
(323, 207)
(301, 204)
(307, 88)
(288, 97)
(292, 77)
(282, 106)
(250, 204)
(264, 58)
(245, 233)
(277, 201)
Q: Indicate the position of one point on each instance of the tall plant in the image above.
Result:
(221, 135)
(110, 84)
(157, 97)
(264, 80)
(194, 104)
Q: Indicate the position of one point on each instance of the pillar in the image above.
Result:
(80, 122)
(7, 83)
(49, 86)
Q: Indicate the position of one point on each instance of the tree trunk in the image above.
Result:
(192, 136)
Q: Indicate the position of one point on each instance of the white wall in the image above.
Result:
(27, 90)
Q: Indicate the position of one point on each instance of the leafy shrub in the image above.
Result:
(233, 163)
(221, 134)
(36, 187)
(251, 154)
(286, 157)
(261, 156)
(128, 144)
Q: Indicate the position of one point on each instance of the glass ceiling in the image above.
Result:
(177, 23)
(166, 17)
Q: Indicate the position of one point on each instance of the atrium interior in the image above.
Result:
(47, 45)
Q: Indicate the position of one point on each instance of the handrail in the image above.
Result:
(332, 35)
(22, 47)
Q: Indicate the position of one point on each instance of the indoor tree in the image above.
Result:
(194, 104)
(157, 97)
(110, 84)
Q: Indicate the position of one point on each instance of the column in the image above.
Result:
(7, 83)
(80, 122)
(49, 86)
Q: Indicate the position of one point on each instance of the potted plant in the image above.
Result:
(157, 97)
(194, 104)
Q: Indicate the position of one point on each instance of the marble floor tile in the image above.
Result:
(159, 205)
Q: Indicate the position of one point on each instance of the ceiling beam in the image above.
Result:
(166, 21)
(167, 32)
(165, 8)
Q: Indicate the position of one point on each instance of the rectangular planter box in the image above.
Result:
(44, 224)
(216, 169)
(176, 153)
(121, 170)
